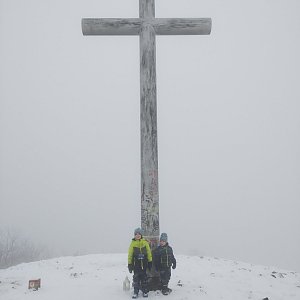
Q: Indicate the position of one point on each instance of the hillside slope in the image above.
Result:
(100, 276)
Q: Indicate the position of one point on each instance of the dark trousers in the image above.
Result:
(140, 281)
(165, 276)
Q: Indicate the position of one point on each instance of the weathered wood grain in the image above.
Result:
(111, 26)
(147, 9)
(176, 26)
(148, 119)
(162, 26)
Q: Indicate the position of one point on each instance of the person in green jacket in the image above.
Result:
(139, 260)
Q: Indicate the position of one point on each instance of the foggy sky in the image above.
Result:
(228, 128)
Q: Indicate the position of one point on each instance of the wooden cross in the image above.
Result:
(147, 27)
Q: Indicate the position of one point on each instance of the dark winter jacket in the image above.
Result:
(139, 254)
(163, 257)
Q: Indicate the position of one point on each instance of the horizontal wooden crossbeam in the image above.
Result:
(132, 26)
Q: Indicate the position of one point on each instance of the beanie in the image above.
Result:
(163, 237)
(138, 230)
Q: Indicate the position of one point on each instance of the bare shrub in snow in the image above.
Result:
(15, 249)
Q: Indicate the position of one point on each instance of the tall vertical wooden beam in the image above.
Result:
(147, 9)
(148, 119)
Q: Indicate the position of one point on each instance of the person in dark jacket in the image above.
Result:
(164, 259)
(139, 259)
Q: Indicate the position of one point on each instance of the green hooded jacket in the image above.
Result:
(139, 254)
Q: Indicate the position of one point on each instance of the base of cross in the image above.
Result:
(154, 283)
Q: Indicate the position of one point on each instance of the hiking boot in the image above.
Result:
(166, 291)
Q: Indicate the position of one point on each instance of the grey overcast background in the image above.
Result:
(228, 129)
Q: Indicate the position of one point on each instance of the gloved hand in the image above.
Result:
(174, 266)
(150, 265)
(130, 268)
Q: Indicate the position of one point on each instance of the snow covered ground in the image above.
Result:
(99, 277)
